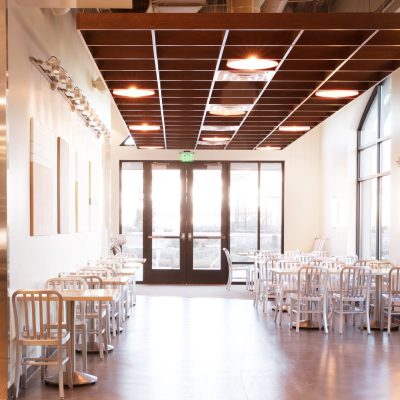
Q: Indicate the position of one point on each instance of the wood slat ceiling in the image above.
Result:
(178, 55)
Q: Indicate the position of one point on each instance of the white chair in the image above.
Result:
(99, 322)
(74, 283)
(286, 283)
(347, 260)
(391, 299)
(354, 295)
(232, 268)
(311, 295)
(41, 325)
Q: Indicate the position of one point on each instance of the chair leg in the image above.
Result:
(366, 311)
(60, 371)
(325, 300)
(298, 317)
(389, 318)
(229, 283)
(17, 370)
(341, 319)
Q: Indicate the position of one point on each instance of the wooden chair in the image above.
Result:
(38, 318)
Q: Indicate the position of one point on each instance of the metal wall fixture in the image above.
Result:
(59, 80)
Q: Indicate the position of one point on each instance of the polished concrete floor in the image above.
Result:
(214, 347)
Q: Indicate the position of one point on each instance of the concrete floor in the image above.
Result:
(218, 347)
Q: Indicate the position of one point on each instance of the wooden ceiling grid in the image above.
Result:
(179, 56)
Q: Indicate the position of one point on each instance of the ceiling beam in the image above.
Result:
(285, 21)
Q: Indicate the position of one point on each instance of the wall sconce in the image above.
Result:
(59, 80)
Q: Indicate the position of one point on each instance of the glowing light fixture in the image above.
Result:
(247, 76)
(229, 110)
(133, 92)
(294, 128)
(214, 139)
(336, 93)
(251, 64)
(269, 148)
(144, 128)
(220, 128)
(151, 147)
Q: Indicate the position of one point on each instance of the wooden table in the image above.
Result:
(70, 297)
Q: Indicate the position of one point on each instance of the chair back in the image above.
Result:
(319, 244)
(355, 282)
(319, 253)
(305, 258)
(362, 263)
(347, 260)
(103, 272)
(42, 319)
(71, 282)
(394, 282)
(312, 281)
(383, 266)
(292, 253)
(93, 281)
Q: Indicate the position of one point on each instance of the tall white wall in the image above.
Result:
(339, 173)
(38, 33)
(302, 177)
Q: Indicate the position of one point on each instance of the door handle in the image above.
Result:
(189, 236)
(183, 236)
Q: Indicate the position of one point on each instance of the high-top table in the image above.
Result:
(70, 297)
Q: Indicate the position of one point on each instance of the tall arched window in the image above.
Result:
(374, 176)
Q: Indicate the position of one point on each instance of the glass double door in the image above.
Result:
(185, 229)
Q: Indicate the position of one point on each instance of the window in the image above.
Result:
(132, 207)
(374, 176)
(256, 200)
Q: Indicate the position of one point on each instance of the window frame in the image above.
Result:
(376, 94)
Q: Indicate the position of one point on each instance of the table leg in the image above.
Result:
(79, 378)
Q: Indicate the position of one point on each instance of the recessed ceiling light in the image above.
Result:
(229, 110)
(133, 92)
(293, 128)
(144, 128)
(151, 147)
(220, 128)
(216, 139)
(336, 93)
(269, 148)
(251, 64)
(229, 76)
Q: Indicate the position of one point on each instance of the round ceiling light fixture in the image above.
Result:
(294, 128)
(133, 92)
(144, 128)
(216, 139)
(251, 63)
(151, 147)
(269, 148)
(336, 93)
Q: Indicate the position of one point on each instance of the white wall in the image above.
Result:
(339, 173)
(339, 176)
(302, 177)
(33, 32)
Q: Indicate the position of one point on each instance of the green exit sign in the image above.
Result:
(187, 156)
